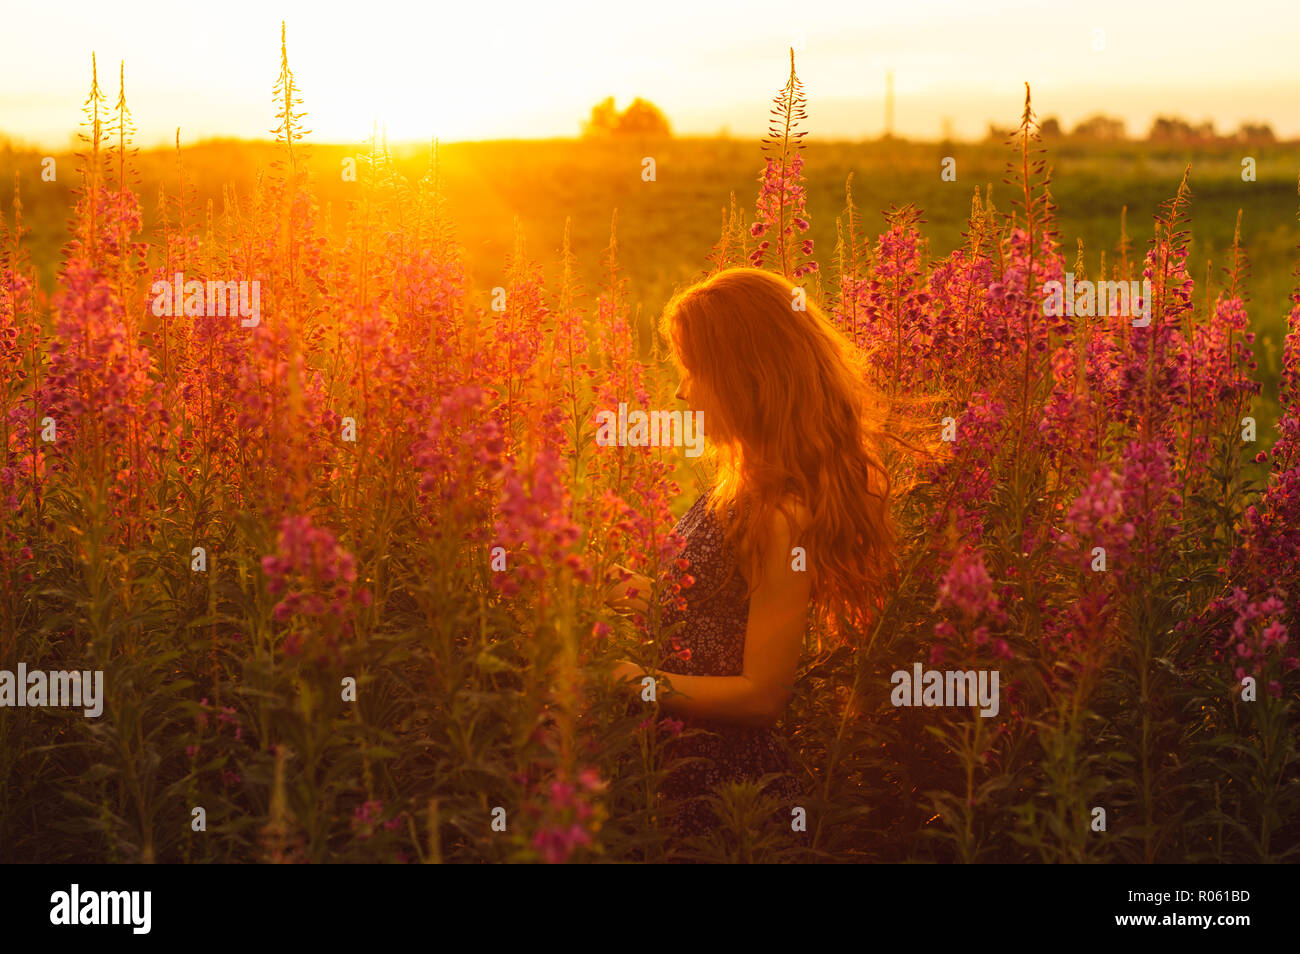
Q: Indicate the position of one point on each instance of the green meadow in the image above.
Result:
(666, 226)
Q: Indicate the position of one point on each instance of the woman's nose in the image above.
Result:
(681, 392)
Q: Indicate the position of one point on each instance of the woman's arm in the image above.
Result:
(627, 592)
(774, 636)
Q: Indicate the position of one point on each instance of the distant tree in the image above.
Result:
(1256, 132)
(1177, 129)
(1099, 127)
(604, 119)
(998, 134)
(642, 118)
(1050, 128)
(1170, 129)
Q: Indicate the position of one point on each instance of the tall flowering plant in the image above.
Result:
(780, 213)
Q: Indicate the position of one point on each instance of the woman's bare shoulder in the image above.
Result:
(792, 515)
(787, 523)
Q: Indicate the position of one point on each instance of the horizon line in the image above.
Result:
(12, 143)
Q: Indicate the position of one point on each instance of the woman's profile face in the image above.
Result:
(683, 389)
(686, 394)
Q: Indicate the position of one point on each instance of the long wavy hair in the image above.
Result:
(791, 415)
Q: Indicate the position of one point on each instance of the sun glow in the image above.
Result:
(511, 70)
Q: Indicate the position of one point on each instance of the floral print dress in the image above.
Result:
(713, 629)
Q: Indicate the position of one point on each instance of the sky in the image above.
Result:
(480, 69)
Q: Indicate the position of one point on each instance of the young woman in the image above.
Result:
(797, 523)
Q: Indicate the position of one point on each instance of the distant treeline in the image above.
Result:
(1163, 129)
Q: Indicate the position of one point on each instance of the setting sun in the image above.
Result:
(500, 71)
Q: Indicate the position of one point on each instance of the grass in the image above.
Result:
(667, 226)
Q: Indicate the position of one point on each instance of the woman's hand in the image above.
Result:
(774, 638)
(629, 592)
(627, 671)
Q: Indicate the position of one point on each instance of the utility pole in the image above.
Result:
(889, 104)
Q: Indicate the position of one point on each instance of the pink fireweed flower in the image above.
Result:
(589, 779)
(781, 216)
(1258, 638)
(1096, 519)
(968, 472)
(365, 819)
(316, 580)
(1153, 374)
(968, 605)
(1014, 315)
(535, 525)
(1149, 489)
(968, 588)
(557, 844)
(959, 337)
(893, 316)
(568, 815)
